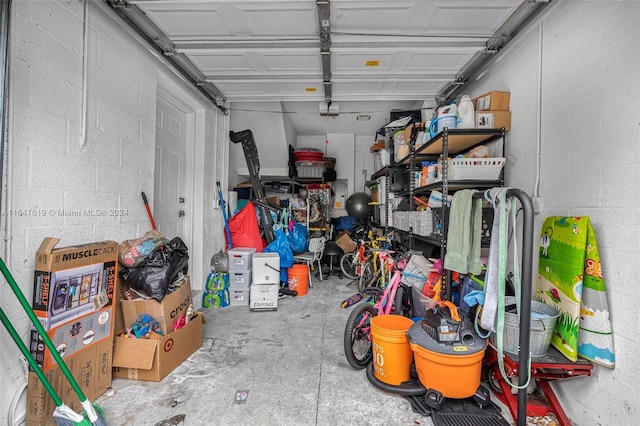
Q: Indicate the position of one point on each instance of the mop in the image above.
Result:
(93, 411)
(63, 414)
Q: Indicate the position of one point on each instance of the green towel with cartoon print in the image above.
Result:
(570, 279)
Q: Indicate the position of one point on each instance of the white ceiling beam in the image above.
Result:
(138, 21)
(324, 23)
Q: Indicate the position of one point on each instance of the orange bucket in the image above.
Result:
(298, 278)
(455, 376)
(392, 355)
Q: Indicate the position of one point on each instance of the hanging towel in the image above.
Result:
(570, 279)
(465, 231)
(496, 264)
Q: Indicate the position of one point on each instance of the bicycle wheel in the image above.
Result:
(402, 303)
(367, 277)
(349, 265)
(357, 336)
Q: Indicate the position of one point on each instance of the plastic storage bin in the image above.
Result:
(239, 279)
(240, 258)
(239, 297)
(310, 169)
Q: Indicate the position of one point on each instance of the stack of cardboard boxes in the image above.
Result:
(254, 279)
(266, 282)
(76, 297)
(492, 110)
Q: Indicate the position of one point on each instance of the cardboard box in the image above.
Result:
(153, 359)
(274, 201)
(266, 267)
(493, 120)
(92, 370)
(492, 101)
(264, 297)
(374, 193)
(173, 306)
(73, 297)
(344, 241)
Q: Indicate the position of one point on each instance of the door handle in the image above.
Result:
(181, 213)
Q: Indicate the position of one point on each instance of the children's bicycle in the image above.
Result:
(353, 264)
(377, 271)
(395, 298)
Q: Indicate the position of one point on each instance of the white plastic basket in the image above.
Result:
(475, 168)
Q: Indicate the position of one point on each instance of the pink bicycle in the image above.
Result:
(394, 298)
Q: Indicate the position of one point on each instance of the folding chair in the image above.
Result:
(313, 255)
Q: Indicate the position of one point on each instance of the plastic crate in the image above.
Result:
(310, 169)
(475, 168)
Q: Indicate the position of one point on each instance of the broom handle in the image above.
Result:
(223, 205)
(32, 362)
(146, 205)
(36, 323)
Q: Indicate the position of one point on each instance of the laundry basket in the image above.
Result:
(475, 168)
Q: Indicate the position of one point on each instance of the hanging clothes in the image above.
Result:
(497, 264)
(464, 234)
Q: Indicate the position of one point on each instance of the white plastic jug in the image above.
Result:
(447, 117)
(466, 113)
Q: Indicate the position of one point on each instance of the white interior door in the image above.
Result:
(169, 207)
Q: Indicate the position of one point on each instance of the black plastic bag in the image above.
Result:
(154, 274)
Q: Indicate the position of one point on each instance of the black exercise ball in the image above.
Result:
(358, 206)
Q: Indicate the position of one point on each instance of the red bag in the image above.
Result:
(244, 229)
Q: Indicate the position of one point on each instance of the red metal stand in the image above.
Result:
(552, 366)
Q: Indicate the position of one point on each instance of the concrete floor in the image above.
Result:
(290, 361)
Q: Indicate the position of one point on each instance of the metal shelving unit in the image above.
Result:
(447, 143)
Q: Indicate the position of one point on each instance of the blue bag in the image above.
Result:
(298, 238)
(346, 223)
(281, 245)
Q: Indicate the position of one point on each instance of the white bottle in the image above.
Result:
(466, 113)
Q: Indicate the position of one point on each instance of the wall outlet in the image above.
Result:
(537, 204)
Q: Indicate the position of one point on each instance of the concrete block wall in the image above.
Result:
(573, 79)
(83, 191)
(216, 169)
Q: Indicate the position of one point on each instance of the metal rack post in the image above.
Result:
(525, 296)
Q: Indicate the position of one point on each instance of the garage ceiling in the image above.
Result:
(328, 51)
